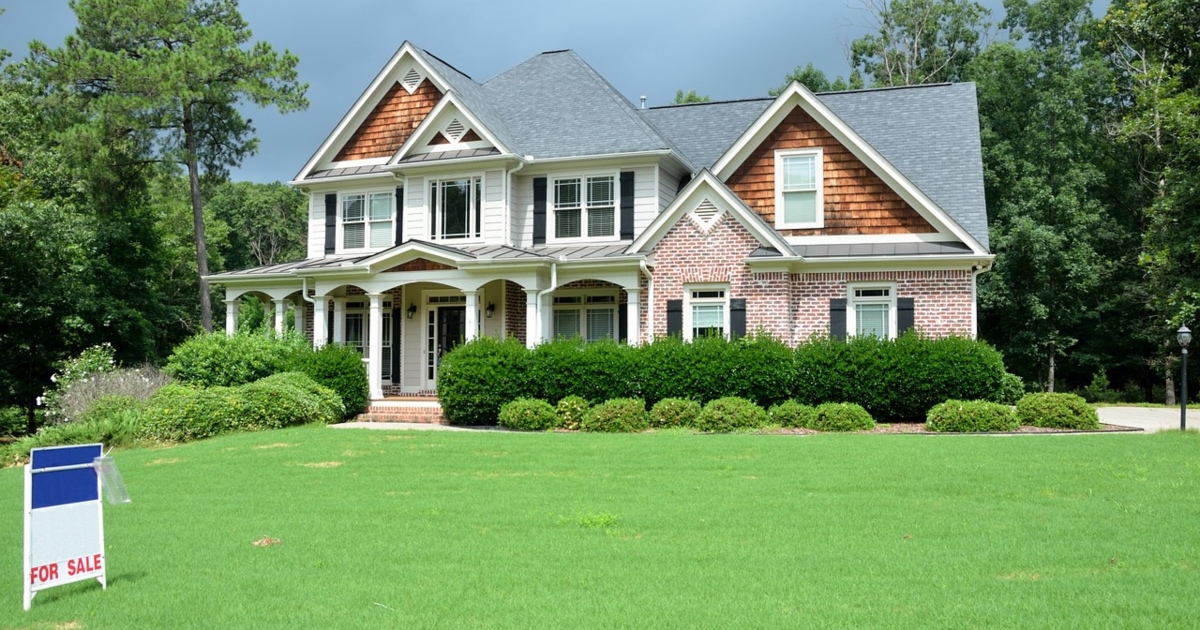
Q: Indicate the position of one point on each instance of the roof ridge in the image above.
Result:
(446, 63)
(732, 100)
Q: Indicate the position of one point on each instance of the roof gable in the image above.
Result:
(450, 129)
(391, 122)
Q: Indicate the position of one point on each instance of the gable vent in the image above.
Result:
(705, 215)
(455, 130)
(412, 80)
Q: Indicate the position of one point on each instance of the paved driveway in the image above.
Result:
(1149, 419)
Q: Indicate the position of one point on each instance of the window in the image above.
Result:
(798, 195)
(456, 208)
(367, 220)
(590, 317)
(585, 201)
(706, 312)
(872, 311)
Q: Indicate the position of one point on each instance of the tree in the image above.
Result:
(690, 97)
(815, 80)
(267, 222)
(172, 73)
(919, 41)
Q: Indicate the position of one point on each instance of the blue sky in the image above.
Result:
(727, 50)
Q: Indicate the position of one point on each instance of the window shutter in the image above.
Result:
(539, 210)
(904, 315)
(627, 205)
(397, 324)
(330, 223)
(623, 322)
(399, 218)
(837, 319)
(329, 323)
(674, 317)
(737, 318)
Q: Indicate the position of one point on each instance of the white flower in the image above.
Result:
(53, 378)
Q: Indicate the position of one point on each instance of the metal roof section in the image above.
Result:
(449, 155)
(948, 248)
(345, 172)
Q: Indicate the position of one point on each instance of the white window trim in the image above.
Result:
(780, 154)
(552, 215)
(583, 307)
(851, 300)
(432, 214)
(688, 301)
(341, 222)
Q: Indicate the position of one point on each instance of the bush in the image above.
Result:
(476, 378)
(570, 412)
(341, 369)
(619, 415)
(117, 427)
(842, 417)
(178, 413)
(286, 399)
(78, 396)
(217, 360)
(1012, 388)
(570, 367)
(90, 363)
(528, 414)
(792, 414)
(1060, 411)
(674, 412)
(729, 414)
(958, 416)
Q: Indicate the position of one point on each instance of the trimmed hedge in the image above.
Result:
(1059, 411)
(619, 415)
(730, 414)
(792, 414)
(968, 416)
(570, 412)
(570, 367)
(528, 414)
(476, 378)
(674, 412)
(341, 369)
(842, 417)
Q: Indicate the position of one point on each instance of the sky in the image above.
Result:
(726, 50)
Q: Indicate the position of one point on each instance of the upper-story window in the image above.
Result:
(456, 207)
(799, 199)
(366, 220)
(585, 206)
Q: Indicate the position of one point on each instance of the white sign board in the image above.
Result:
(64, 518)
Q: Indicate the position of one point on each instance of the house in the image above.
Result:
(543, 203)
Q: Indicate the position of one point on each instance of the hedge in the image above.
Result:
(528, 414)
(219, 360)
(730, 414)
(1059, 411)
(842, 417)
(619, 415)
(959, 416)
(476, 378)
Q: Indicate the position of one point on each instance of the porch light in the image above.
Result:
(1184, 337)
(412, 310)
(491, 308)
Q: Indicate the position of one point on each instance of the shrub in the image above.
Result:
(958, 416)
(1012, 388)
(115, 428)
(570, 412)
(842, 417)
(528, 414)
(476, 378)
(341, 369)
(729, 414)
(216, 360)
(570, 367)
(178, 413)
(792, 414)
(619, 415)
(674, 412)
(1060, 411)
(286, 399)
(90, 363)
(77, 397)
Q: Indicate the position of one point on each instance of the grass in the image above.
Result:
(501, 530)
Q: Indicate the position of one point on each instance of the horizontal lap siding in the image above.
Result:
(416, 212)
(856, 200)
(668, 184)
(391, 122)
(493, 207)
(522, 211)
(316, 225)
(645, 198)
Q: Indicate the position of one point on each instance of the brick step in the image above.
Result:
(424, 412)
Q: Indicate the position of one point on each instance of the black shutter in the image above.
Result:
(330, 223)
(737, 318)
(674, 317)
(539, 210)
(627, 205)
(397, 324)
(328, 323)
(837, 318)
(623, 322)
(399, 216)
(904, 315)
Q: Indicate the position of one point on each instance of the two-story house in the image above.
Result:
(542, 203)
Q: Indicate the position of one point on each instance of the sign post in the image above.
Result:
(64, 518)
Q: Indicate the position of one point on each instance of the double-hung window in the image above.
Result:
(585, 201)
(367, 220)
(706, 312)
(872, 311)
(798, 189)
(590, 317)
(456, 208)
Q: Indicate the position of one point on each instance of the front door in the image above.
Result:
(447, 328)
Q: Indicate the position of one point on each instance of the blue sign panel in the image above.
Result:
(62, 487)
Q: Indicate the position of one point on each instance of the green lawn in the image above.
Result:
(501, 530)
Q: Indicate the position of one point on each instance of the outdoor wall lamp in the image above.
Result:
(491, 308)
(1184, 337)
(412, 310)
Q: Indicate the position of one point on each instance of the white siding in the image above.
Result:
(668, 183)
(415, 210)
(645, 198)
(522, 211)
(316, 225)
(493, 207)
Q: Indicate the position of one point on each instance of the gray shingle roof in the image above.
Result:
(703, 131)
(474, 97)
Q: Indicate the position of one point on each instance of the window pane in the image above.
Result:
(381, 207)
(800, 172)
(354, 330)
(566, 223)
(601, 222)
(800, 207)
(871, 319)
(566, 323)
(600, 324)
(381, 234)
(454, 208)
(353, 235)
(566, 193)
(600, 191)
(352, 208)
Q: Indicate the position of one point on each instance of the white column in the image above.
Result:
(472, 314)
(374, 365)
(339, 320)
(280, 315)
(298, 318)
(633, 313)
(231, 313)
(320, 311)
(532, 336)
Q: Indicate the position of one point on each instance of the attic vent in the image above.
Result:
(455, 130)
(705, 215)
(412, 80)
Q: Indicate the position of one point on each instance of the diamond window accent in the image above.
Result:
(455, 130)
(705, 215)
(411, 80)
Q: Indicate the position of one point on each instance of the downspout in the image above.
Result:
(553, 285)
(975, 271)
(508, 201)
(313, 301)
(649, 299)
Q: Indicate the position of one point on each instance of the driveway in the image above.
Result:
(1149, 419)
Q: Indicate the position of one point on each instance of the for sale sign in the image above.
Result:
(64, 518)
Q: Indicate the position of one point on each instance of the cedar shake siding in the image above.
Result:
(390, 123)
(856, 200)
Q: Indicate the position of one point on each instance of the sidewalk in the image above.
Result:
(1149, 419)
